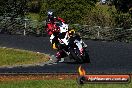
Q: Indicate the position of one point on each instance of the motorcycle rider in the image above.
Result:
(53, 30)
(74, 36)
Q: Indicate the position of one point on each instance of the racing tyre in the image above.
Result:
(76, 57)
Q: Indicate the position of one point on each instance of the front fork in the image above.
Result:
(80, 46)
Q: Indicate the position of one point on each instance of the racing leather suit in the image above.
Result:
(53, 30)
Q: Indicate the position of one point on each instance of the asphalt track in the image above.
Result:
(106, 57)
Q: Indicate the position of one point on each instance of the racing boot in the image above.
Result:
(60, 54)
(58, 57)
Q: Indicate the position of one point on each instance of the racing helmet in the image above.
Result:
(50, 13)
(71, 32)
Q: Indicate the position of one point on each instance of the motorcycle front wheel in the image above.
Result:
(76, 56)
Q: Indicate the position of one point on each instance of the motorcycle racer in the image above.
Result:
(74, 36)
(52, 28)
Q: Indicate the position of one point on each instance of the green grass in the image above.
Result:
(57, 84)
(10, 57)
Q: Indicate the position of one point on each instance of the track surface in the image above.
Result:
(106, 57)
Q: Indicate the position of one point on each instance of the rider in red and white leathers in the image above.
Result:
(53, 30)
(51, 26)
